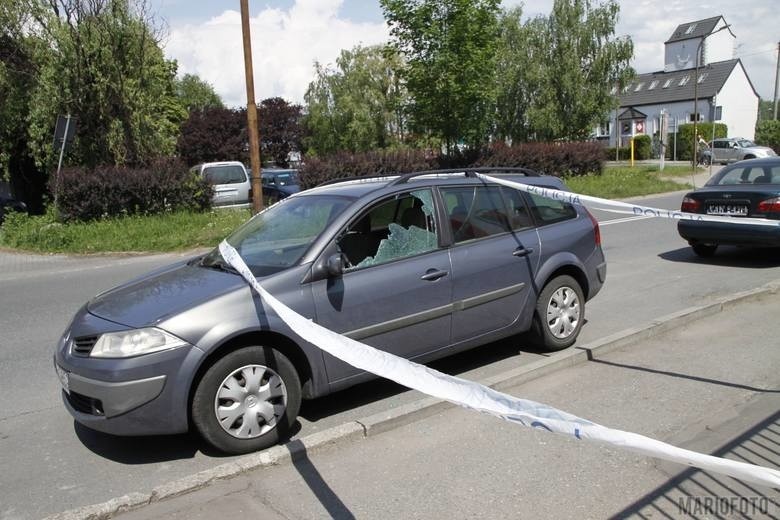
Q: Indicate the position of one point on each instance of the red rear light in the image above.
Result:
(596, 229)
(690, 205)
(769, 205)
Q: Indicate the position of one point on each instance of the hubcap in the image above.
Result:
(250, 401)
(563, 312)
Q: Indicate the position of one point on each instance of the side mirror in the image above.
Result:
(335, 264)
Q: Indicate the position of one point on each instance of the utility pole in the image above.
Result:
(777, 78)
(251, 112)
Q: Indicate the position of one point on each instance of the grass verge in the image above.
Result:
(620, 182)
(158, 233)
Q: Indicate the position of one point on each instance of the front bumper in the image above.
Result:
(737, 234)
(142, 395)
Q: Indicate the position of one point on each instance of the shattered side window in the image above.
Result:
(396, 228)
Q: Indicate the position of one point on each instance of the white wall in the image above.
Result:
(740, 104)
(719, 46)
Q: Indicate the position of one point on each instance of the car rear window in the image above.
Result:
(767, 174)
(228, 174)
(549, 211)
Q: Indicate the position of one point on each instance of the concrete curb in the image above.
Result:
(409, 413)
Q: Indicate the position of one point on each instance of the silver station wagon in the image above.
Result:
(421, 265)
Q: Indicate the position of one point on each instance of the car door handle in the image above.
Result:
(433, 274)
(522, 251)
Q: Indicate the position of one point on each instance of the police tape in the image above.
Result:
(484, 399)
(615, 206)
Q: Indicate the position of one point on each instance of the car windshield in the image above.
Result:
(285, 179)
(278, 237)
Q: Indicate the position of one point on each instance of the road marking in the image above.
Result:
(621, 220)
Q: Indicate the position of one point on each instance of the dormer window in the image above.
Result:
(684, 81)
(702, 77)
(639, 87)
(653, 84)
(690, 28)
(667, 83)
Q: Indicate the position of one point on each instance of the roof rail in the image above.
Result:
(469, 172)
(404, 177)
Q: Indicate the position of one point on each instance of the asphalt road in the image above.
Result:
(51, 465)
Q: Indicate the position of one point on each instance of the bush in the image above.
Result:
(624, 153)
(559, 159)
(643, 147)
(768, 134)
(685, 138)
(317, 170)
(165, 185)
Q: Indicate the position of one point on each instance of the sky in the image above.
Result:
(289, 36)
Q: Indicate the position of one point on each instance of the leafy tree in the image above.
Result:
(766, 110)
(196, 94)
(358, 105)
(768, 134)
(281, 131)
(100, 60)
(214, 134)
(583, 58)
(450, 49)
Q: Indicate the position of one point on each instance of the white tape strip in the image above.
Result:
(623, 207)
(479, 397)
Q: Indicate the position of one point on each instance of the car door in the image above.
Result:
(494, 254)
(395, 293)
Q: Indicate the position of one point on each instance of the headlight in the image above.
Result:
(134, 343)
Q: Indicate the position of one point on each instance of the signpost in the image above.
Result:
(64, 132)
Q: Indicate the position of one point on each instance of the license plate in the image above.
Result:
(739, 210)
(64, 378)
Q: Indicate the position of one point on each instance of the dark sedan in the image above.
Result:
(748, 188)
(279, 184)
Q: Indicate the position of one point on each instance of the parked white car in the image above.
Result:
(733, 149)
(232, 186)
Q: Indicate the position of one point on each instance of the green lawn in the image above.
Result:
(170, 232)
(620, 182)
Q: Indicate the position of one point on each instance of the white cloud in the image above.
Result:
(285, 45)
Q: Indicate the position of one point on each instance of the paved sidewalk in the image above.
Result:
(712, 386)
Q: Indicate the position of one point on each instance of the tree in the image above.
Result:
(100, 61)
(280, 129)
(358, 105)
(583, 59)
(214, 134)
(196, 94)
(450, 50)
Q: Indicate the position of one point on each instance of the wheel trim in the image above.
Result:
(250, 401)
(563, 312)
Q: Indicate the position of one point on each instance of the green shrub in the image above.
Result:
(559, 159)
(643, 147)
(768, 134)
(166, 185)
(685, 138)
(624, 153)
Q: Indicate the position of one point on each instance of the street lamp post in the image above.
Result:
(695, 158)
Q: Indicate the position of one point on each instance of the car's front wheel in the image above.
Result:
(560, 312)
(247, 401)
(704, 250)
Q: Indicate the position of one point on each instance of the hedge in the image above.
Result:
(768, 134)
(108, 191)
(558, 159)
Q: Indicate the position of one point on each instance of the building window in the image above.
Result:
(694, 117)
(702, 77)
(684, 80)
(667, 83)
(690, 29)
(626, 88)
(653, 84)
(639, 87)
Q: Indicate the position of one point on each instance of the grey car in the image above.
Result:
(732, 149)
(422, 265)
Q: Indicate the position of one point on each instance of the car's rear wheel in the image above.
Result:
(247, 401)
(560, 312)
(704, 250)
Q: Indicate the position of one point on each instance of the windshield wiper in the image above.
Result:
(217, 263)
